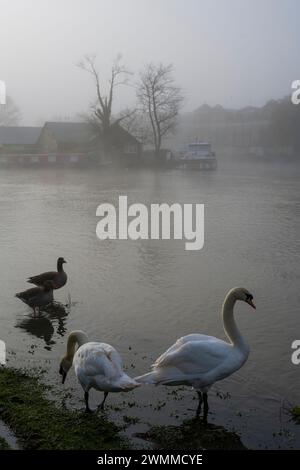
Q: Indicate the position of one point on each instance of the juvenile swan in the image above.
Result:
(97, 365)
(200, 360)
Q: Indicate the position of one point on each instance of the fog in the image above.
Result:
(163, 179)
(224, 51)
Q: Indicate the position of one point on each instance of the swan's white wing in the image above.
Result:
(112, 354)
(93, 359)
(194, 358)
(99, 365)
(181, 341)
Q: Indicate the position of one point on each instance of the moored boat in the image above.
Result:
(198, 156)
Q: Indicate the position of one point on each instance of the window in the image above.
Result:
(51, 158)
(34, 159)
(74, 158)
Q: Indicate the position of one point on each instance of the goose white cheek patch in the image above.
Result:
(158, 222)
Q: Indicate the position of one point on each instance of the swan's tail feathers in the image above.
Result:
(150, 378)
(127, 383)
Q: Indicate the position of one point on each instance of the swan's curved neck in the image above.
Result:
(76, 337)
(230, 327)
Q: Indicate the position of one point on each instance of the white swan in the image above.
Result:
(200, 360)
(97, 365)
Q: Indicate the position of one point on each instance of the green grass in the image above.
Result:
(295, 412)
(3, 444)
(39, 424)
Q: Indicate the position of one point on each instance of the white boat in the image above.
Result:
(199, 156)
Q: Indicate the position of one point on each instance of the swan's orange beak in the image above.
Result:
(251, 303)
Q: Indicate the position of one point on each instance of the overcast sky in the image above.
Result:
(231, 52)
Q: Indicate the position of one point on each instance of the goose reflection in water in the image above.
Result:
(43, 327)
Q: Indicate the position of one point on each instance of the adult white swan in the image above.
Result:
(200, 360)
(97, 365)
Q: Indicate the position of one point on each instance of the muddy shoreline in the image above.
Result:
(38, 423)
(35, 422)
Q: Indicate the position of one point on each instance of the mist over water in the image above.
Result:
(141, 296)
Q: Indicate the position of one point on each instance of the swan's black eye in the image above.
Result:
(249, 297)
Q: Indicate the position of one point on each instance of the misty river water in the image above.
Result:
(140, 296)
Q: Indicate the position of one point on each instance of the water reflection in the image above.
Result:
(193, 434)
(146, 294)
(51, 321)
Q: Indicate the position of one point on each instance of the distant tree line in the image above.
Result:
(157, 107)
(159, 100)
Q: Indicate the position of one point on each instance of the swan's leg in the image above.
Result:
(101, 406)
(199, 404)
(86, 399)
(206, 407)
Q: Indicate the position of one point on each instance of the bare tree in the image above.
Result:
(137, 124)
(160, 100)
(9, 113)
(102, 111)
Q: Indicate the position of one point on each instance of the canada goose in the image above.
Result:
(199, 360)
(59, 277)
(37, 297)
(97, 365)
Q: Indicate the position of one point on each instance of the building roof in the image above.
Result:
(80, 133)
(121, 135)
(70, 132)
(14, 135)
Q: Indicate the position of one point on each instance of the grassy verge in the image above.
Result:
(295, 412)
(39, 424)
(3, 444)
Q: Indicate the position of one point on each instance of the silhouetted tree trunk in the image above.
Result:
(160, 99)
(101, 116)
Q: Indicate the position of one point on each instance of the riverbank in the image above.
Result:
(38, 423)
(4, 444)
(295, 412)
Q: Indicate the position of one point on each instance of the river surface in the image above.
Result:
(140, 296)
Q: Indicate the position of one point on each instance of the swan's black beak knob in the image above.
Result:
(251, 303)
(249, 300)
